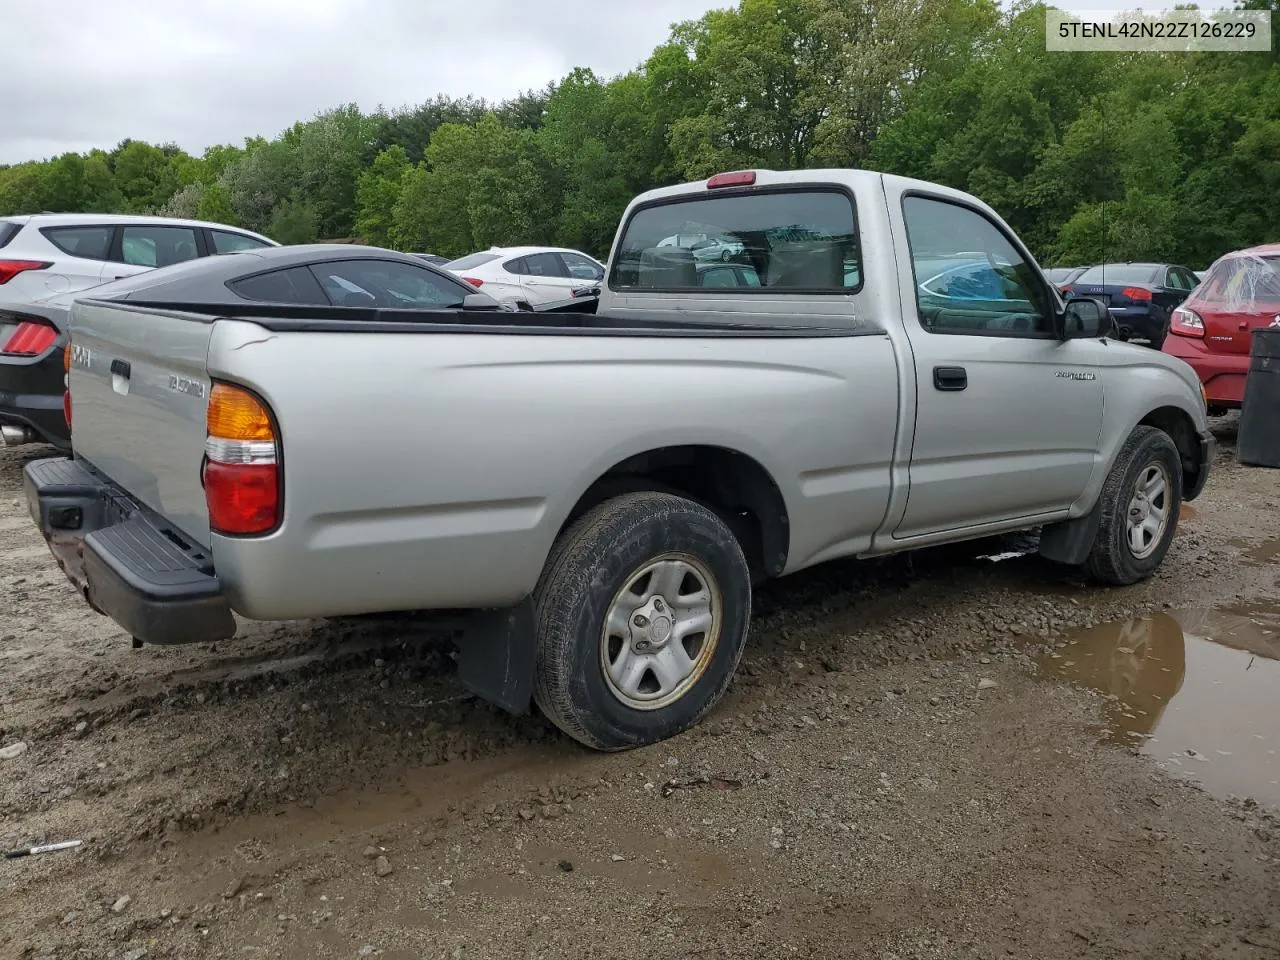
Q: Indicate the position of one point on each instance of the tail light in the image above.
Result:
(736, 178)
(474, 281)
(241, 472)
(11, 268)
(30, 339)
(1137, 293)
(1186, 323)
(1066, 289)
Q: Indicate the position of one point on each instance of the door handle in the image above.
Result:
(120, 368)
(950, 378)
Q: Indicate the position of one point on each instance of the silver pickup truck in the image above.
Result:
(879, 366)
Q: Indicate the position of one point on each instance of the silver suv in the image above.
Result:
(49, 253)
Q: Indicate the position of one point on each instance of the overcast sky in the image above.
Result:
(87, 73)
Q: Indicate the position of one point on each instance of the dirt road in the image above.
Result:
(901, 769)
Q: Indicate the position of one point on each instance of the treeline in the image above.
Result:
(1089, 156)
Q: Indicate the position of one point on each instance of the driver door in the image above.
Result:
(1007, 415)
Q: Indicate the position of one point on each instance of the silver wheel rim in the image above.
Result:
(1148, 515)
(660, 632)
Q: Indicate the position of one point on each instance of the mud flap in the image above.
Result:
(496, 656)
(1069, 542)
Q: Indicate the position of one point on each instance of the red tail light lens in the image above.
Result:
(242, 497)
(474, 281)
(737, 178)
(11, 268)
(1137, 293)
(1186, 323)
(30, 339)
(241, 473)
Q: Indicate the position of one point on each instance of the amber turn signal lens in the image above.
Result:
(236, 414)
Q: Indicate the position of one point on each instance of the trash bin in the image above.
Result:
(1258, 444)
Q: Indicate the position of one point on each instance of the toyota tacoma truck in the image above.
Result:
(880, 366)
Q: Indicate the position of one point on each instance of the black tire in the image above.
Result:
(1112, 559)
(726, 256)
(599, 555)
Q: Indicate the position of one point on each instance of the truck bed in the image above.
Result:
(317, 319)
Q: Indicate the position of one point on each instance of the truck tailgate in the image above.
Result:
(139, 389)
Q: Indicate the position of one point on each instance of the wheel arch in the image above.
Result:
(733, 484)
(1181, 428)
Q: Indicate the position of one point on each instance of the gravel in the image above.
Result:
(888, 776)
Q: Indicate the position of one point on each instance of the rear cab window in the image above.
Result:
(781, 239)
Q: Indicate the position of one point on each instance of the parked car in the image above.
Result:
(432, 258)
(534, 274)
(1140, 296)
(33, 336)
(1063, 276)
(1213, 328)
(51, 253)
(603, 491)
(32, 372)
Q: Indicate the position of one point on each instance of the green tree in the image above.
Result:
(377, 194)
(295, 221)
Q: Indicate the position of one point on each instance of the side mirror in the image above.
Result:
(1085, 318)
(478, 301)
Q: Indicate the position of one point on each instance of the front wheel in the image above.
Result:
(1140, 503)
(642, 615)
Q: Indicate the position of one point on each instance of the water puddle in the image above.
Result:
(1197, 690)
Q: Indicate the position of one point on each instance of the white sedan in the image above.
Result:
(537, 275)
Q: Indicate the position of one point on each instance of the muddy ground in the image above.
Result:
(900, 770)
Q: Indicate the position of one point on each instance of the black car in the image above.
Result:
(33, 336)
(32, 372)
(1061, 277)
(1140, 296)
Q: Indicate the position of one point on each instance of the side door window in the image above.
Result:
(516, 266)
(224, 241)
(156, 246)
(91, 243)
(580, 268)
(969, 277)
(294, 285)
(388, 283)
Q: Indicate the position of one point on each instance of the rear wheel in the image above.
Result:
(1140, 503)
(642, 614)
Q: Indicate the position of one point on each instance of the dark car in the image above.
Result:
(32, 336)
(1061, 277)
(1140, 296)
(32, 372)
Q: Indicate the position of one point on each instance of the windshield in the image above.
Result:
(1121, 273)
(471, 261)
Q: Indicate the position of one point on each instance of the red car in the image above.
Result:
(1213, 327)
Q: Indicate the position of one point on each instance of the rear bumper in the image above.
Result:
(126, 561)
(1223, 374)
(31, 391)
(1142, 323)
